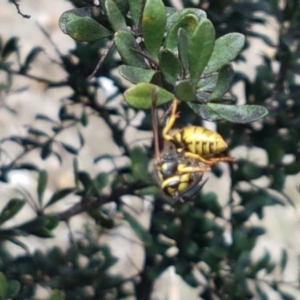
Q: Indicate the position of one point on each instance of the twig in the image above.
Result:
(101, 60)
(19, 11)
(49, 39)
(50, 83)
(93, 203)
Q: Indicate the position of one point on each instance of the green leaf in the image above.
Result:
(52, 221)
(153, 25)
(100, 182)
(86, 180)
(204, 110)
(239, 113)
(69, 148)
(37, 132)
(41, 226)
(275, 154)
(150, 190)
(184, 90)
(3, 286)
(170, 66)
(13, 288)
(136, 8)
(226, 50)
(286, 296)
(30, 58)
(224, 81)
(81, 139)
(46, 149)
(44, 118)
(200, 49)
(138, 229)
(11, 209)
(59, 195)
(71, 14)
(139, 163)
(141, 95)
(17, 242)
(209, 201)
(183, 49)
(84, 118)
(278, 179)
(136, 75)
(10, 47)
(255, 202)
(56, 295)
(42, 183)
(188, 22)
(78, 24)
(123, 6)
(199, 13)
(125, 43)
(284, 260)
(251, 171)
(115, 16)
(76, 171)
(208, 83)
(87, 30)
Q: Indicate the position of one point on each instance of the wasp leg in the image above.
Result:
(173, 116)
(192, 190)
(193, 169)
(208, 161)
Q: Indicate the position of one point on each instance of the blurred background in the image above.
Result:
(54, 86)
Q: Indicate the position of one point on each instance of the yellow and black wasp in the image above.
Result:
(180, 177)
(187, 154)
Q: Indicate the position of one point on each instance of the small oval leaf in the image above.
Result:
(14, 287)
(56, 295)
(11, 209)
(170, 66)
(136, 8)
(115, 16)
(136, 75)
(184, 90)
(204, 111)
(223, 84)
(59, 195)
(100, 182)
(207, 84)
(3, 286)
(41, 226)
(141, 95)
(139, 162)
(125, 43)
(199, 13)
(69, 148)
(186, 21)
(42, 183)
(200, 49)
(225, 51)
(183, 49)
(70, 15)
(239, 113)
(80, 26)
(153, 25)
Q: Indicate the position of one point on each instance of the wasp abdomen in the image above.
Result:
(200, 140)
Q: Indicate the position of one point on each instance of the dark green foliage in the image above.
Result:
(164, 53)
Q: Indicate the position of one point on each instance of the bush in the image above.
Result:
(165, 53)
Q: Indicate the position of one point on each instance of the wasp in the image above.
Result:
(180, 176)
(195, 142)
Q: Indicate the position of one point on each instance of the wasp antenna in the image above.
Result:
(154, 116)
